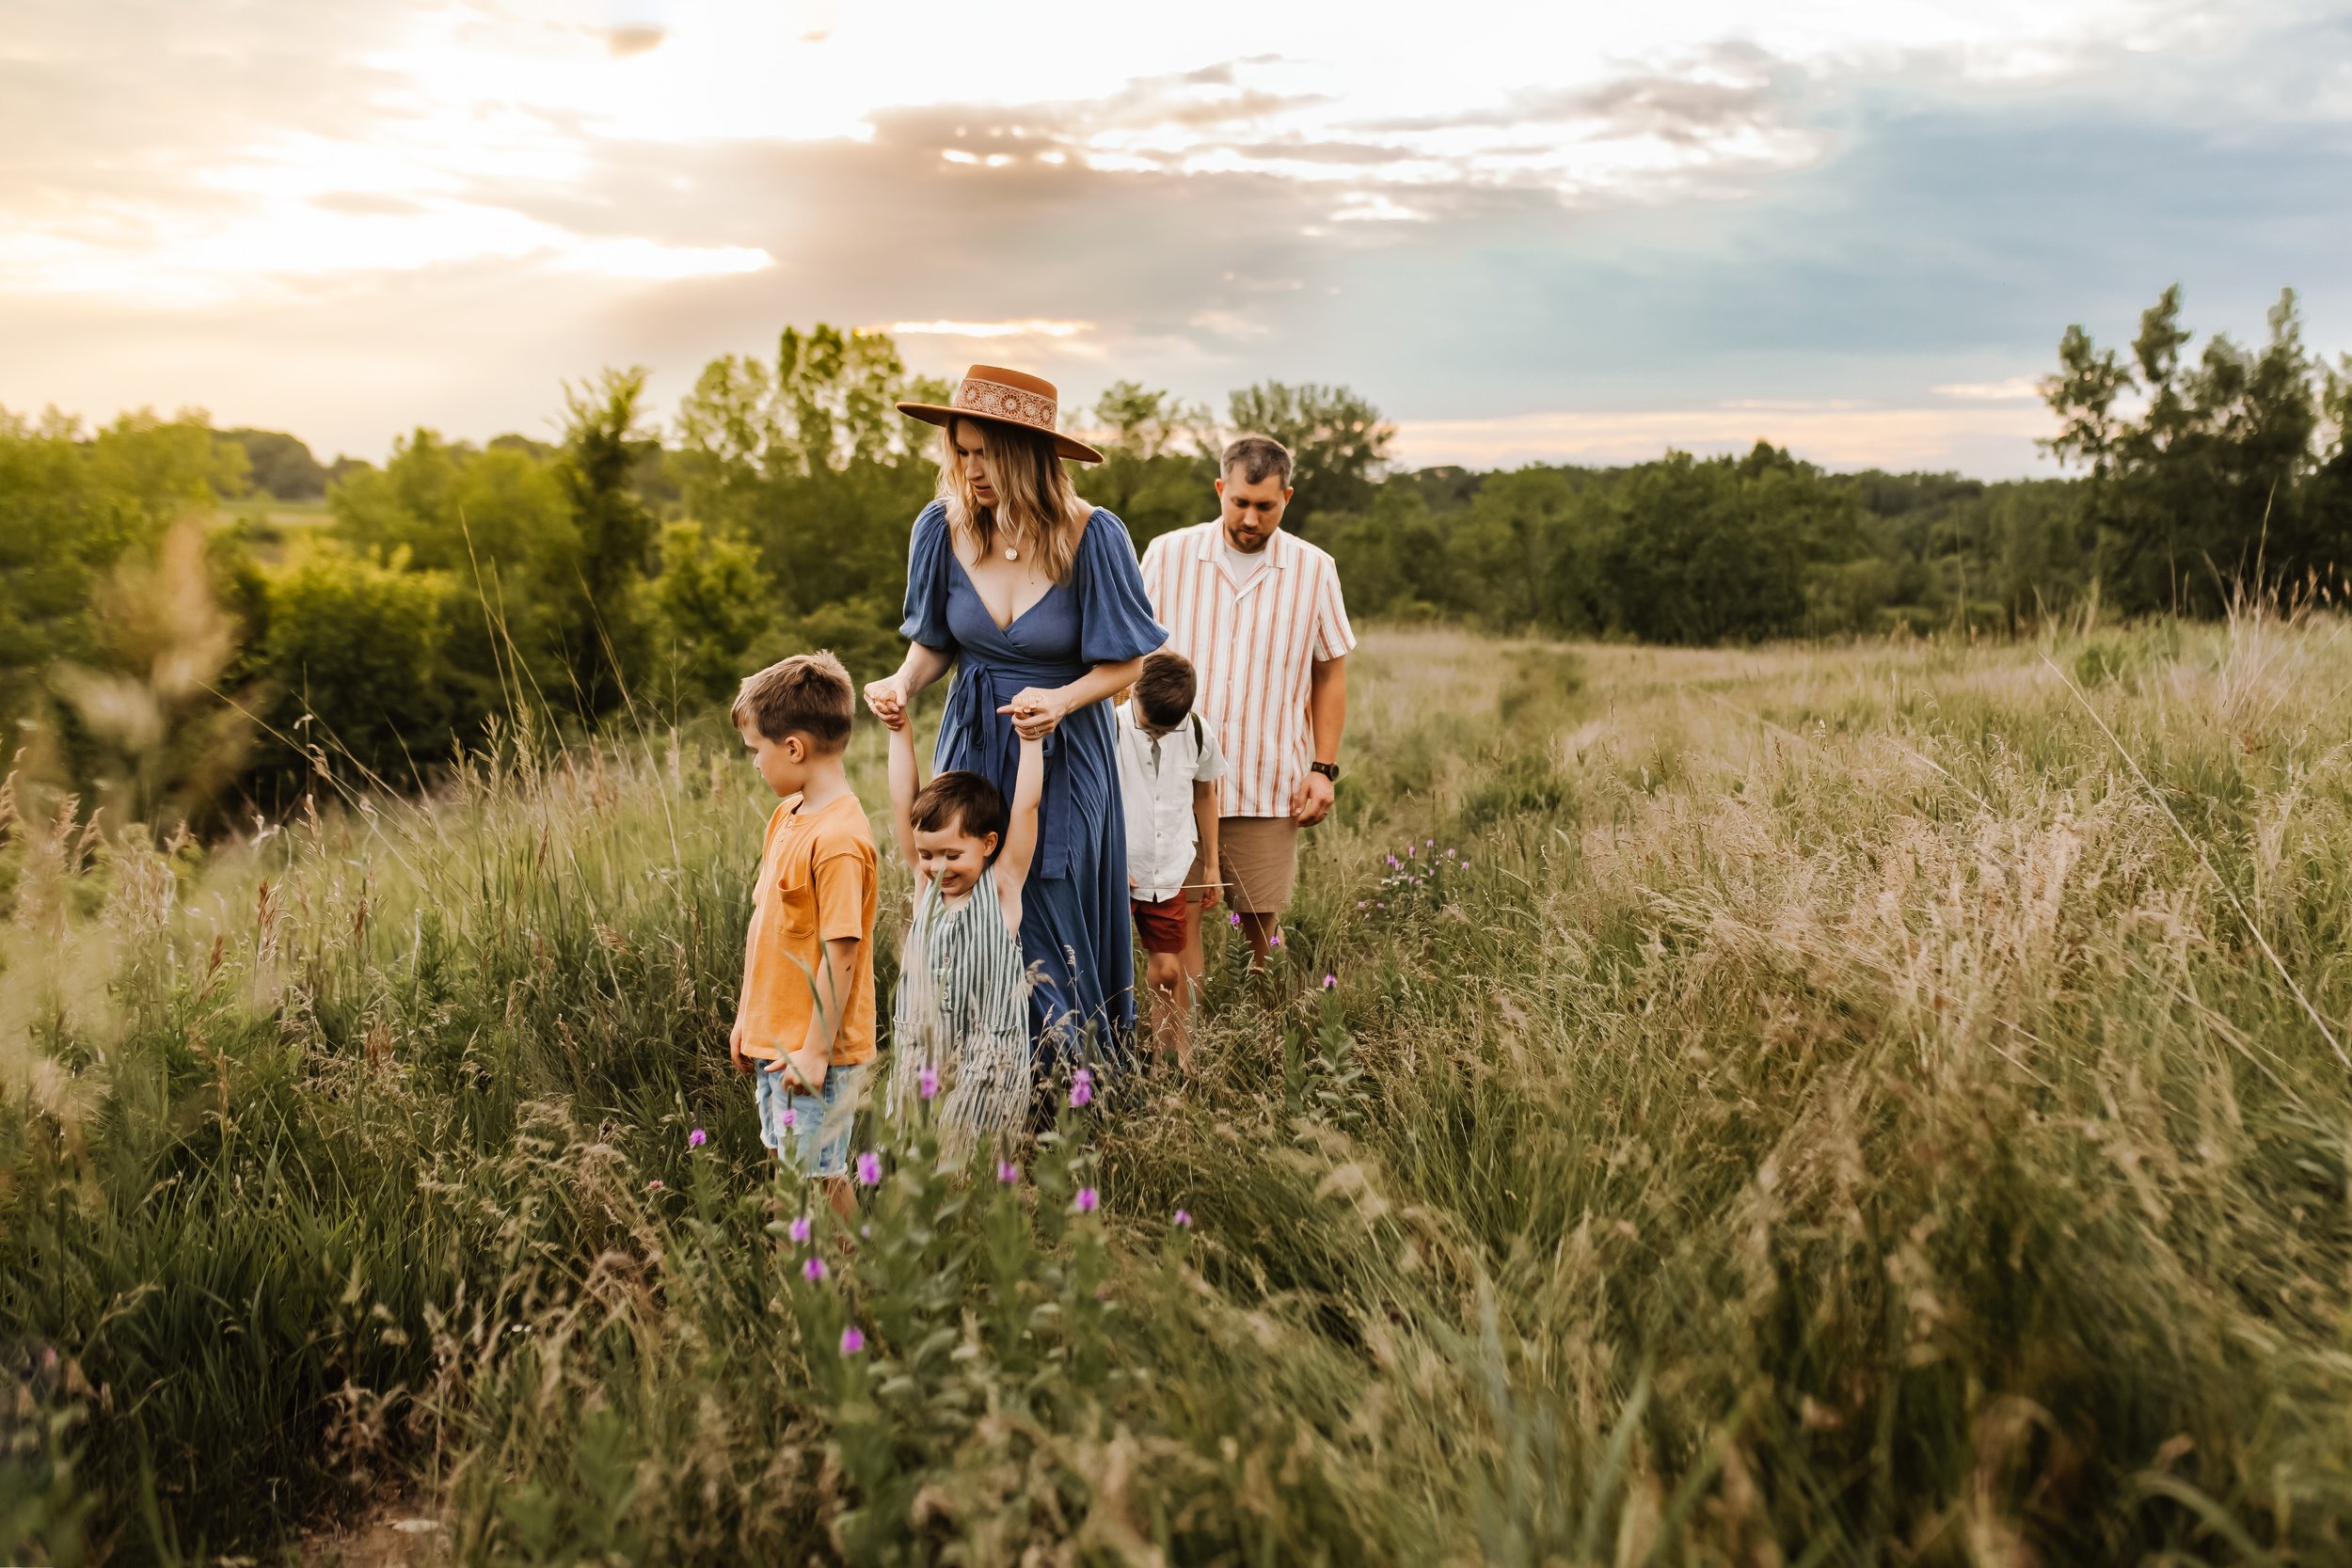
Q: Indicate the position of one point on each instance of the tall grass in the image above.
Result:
(1793, 1106)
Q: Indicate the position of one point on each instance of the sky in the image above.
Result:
(1525, 232)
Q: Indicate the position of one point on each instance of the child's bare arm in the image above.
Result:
(1019, 845)
(906, 778)
(1204, 824)
(810, 1063)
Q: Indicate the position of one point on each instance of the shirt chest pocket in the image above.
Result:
(796, 900)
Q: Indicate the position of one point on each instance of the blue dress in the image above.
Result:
(1073, 907)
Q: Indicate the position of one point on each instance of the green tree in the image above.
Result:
(829, 400)
(607, 634)
(711, 603)
(1398, 561)
(60, 529)
(77, 513)
(498, 527)
(354, 648)
(2201, 494)
(1532, 540)
(2327, 507)
(1159, 461)
(168, 468)
(1725, 550)
(282, 465)
(809, 462)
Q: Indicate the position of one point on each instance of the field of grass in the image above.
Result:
(1877, 1105)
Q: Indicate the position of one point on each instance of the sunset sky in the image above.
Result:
(1525, 230)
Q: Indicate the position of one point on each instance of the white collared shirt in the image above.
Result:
(1155, 780)
(1255, 645)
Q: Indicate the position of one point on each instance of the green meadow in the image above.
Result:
(1884, 1103)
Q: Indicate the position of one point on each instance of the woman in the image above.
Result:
(1036, 599)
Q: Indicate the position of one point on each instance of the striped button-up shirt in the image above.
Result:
(1254, 648)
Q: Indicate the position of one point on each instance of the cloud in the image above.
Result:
(2016, 388)
(1031, 329)
(1728, 85)
(1852, 228)
(622, 41)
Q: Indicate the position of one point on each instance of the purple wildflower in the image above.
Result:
(786, 1116)
(1233, 919)
(654, 1186)
(1276, 941)
(927, 1083)
(813, 1270)
(1329, 981)
(851, 1340)
(1411, 849)
(1183, 1219)
(1087, 1201)
(1008, 1173)
(797, 1229)
(1449, 854)
(1081, 1090)
(697, 1138)
(869, 1169)
(1429, 843)
(1393, 862)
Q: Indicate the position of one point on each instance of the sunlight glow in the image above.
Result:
(989, 329)
(1833, 432)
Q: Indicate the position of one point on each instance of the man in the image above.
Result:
(1259, 613)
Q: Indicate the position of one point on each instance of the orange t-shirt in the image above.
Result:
(817, 884)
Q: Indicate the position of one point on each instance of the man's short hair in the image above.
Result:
(1165, 690)
(1256, 456)
(808, 694)
(958, 801)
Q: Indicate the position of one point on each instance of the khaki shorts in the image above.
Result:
(1261, 859)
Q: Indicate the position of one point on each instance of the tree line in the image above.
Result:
(169, 643)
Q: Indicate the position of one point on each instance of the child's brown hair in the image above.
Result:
(1165, 690)
(966, 803)
(808, 694)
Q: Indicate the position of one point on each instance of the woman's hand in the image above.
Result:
(1034, 710)
(887, 699)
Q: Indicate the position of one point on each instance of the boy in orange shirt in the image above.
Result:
(806, 1016)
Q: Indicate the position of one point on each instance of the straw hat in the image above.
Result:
(1001, 396)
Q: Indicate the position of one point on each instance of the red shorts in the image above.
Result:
(1162, 926)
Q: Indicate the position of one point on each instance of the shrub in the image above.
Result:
(355, 647)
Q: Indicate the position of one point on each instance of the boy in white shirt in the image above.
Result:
(1167, 765)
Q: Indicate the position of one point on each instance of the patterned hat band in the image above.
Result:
(1000, 402)
(1005, 396)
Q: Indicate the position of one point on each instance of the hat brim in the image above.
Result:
(932, 413)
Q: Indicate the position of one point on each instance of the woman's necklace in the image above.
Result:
(1012, 554)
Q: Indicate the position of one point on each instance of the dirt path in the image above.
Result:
(399, 1535)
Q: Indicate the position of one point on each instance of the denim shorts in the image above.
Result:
(809, 1133)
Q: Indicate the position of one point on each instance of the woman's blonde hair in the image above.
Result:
(1037, 507)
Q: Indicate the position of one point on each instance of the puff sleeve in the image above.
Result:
(926, 581)
(1114, 621)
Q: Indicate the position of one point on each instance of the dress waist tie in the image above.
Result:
(981, 688)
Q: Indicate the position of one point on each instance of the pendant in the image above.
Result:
(1012, 554)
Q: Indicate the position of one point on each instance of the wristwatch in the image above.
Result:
(1328, 770)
